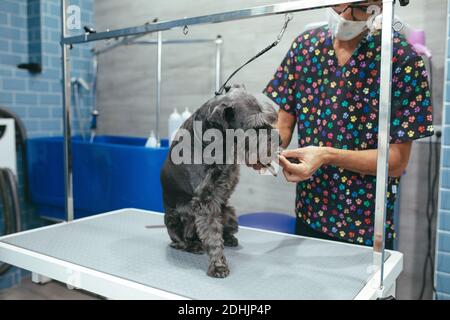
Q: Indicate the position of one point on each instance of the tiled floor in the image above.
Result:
(28, 290)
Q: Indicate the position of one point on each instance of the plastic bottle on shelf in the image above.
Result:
(175, 122)
(151, 141)
(185, 115)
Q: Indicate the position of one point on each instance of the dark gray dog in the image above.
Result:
(198, 216)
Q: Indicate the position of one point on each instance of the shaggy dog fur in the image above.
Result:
(198, 216)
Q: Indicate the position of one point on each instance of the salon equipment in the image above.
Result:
(94, 116)
(21, 138)
(417, 39)
(136, 40)
(79, 83)
(8, 145)
(272, 221)
(110, 173)
(381, 267)
(9, 194)
(186, 114)
(280, 8)
(119, 255)
(287, 19)
(174, 123)
(151, 141)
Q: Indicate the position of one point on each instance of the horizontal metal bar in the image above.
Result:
(175, 41)
(279, 8)
(118, 43)
(151, 42)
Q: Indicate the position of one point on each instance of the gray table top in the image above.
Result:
(266, 265)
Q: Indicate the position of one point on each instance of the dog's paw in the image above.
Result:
(177, 245)
(230, 241)
(196, 248)
(218, 269)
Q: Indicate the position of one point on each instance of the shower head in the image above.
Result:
(80, 82)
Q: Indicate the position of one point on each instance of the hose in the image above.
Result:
(21, 133)
(76, 105)
(432, 182)
(13, 189)
(8, 220)
(9, 194)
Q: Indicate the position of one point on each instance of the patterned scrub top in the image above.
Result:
(337, 106)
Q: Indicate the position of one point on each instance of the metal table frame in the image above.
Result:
(76, 276)
(281, 8)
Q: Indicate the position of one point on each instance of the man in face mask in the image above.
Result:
(328, 85)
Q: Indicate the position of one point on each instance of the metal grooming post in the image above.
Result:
(68, 174)
(219, 42)
(158, 84)
(383, 138)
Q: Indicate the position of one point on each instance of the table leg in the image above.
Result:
(39, 279)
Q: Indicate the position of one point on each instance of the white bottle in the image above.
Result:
(185, 115)
(175, 122)
(151, 141)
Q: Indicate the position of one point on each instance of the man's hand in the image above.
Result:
(361, 161)
(310, 159)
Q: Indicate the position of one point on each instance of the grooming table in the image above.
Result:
(114, 255)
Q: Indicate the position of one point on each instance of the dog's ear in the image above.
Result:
(222, 115)
(238, 86)
(235, 86)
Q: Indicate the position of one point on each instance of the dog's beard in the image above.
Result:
(263, 149)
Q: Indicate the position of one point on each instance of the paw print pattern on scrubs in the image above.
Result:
(337, 106)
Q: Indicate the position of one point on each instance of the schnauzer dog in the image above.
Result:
(196, 196)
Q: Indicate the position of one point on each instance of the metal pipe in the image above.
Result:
(173, 41)
(383, 137)
(149, 42)
(261, 11)
(68, 175)
(158, 85)
(94, 112)
(219, 42)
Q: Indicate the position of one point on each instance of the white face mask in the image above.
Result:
(344, 29)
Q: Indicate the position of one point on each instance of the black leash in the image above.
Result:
(287, 19)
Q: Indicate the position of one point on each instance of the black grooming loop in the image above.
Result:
(287, 18)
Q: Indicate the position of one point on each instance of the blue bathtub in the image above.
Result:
(109, 174)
